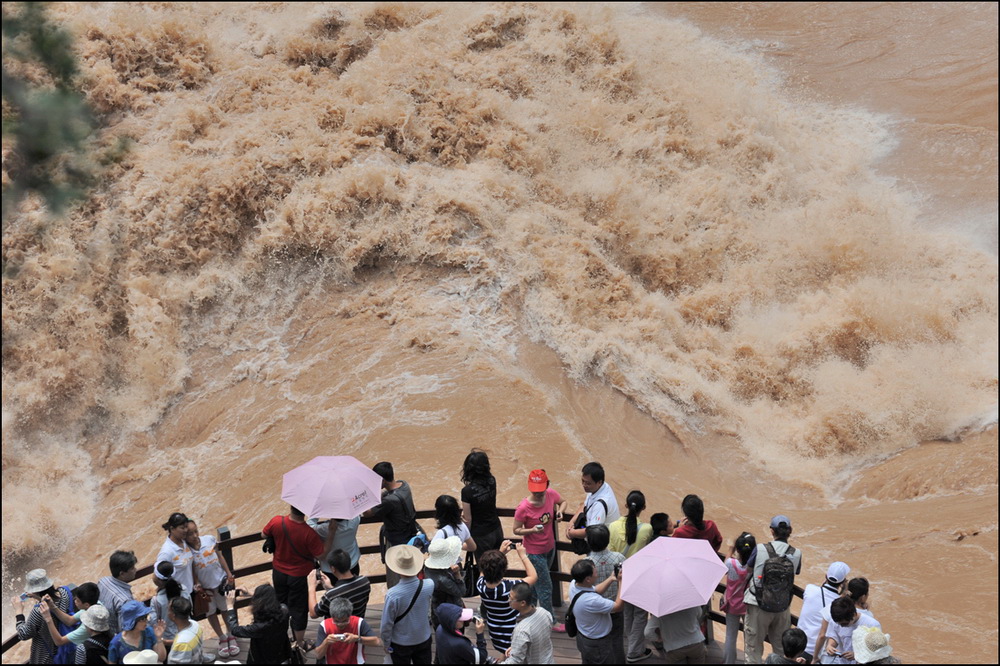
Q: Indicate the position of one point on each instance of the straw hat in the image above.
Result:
(444, 552)
(404, 560)
(870, 644)
(37, 581)
(96, 618)
(140, 657)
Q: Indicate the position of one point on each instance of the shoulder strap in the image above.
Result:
(771, 552)
(575, 597)
(591, 506)
(416, 594)
(291, 543)
(790, 551)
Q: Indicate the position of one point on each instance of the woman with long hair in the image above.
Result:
(268, 633)
(479, 501)
(448, 515)
(694, 525)
(628, 536)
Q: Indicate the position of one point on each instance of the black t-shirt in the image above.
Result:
(482, 497)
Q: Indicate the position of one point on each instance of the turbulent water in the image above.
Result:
(398, 231)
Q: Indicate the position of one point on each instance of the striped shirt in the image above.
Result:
(356, 590)
(500, 617)
(35, 629)
(114, 594)
(532, 640)
(187, 645)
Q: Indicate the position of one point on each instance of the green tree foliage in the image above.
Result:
(45, 118)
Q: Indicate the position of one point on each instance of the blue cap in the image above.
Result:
(132, 612)
(778, 520)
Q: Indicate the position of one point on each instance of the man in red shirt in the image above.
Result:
(296, 549)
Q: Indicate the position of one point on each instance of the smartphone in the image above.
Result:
(618, 569)
(24, 596)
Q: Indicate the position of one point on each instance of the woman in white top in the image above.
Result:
(448, 514)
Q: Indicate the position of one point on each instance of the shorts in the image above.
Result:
(216, 603)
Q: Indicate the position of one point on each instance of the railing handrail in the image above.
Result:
(226, 547)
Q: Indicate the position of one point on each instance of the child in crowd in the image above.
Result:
(168, 590)
(661, 525)
(793, 647)
(212, 574)
(845, 618)
(85, 596)
(737, 576)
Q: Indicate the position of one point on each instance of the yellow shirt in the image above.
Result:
(618, 544)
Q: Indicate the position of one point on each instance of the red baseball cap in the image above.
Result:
(538, 480)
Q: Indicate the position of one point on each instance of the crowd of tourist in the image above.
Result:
(316, 573)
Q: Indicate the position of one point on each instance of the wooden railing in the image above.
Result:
(226, 545)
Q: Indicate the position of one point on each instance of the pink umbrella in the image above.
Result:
(339, 487)
(671, 574)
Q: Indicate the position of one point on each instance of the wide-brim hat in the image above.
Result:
(404, 560)
(37, 581)
(870, 644)
(97, 618)
(444, 553)
(132, 611)
(141, 657)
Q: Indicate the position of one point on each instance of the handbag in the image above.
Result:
(471, 573)
(201, 602)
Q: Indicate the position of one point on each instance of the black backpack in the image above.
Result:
(578, 545)
(777, 582)
(571, 629)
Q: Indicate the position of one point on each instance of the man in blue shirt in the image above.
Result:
(405, 631)
(593, 612)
